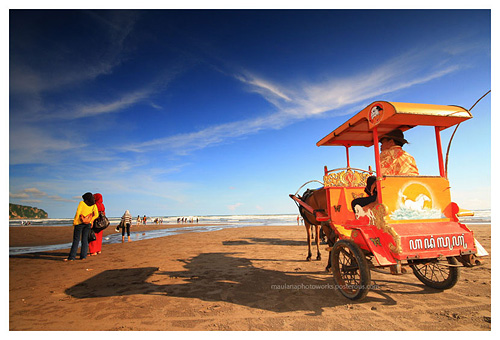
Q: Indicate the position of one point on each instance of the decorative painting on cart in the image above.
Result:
(415, 202)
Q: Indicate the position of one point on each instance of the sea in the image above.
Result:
(210, 223)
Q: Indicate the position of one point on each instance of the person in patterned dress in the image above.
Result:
(394, 161)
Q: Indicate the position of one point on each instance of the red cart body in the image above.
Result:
(413, 220)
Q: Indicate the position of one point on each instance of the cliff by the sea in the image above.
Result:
(17, 212)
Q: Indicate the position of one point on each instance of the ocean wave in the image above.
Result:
(281, 219)
(480, 216)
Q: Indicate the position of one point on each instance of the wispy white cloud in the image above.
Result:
(34, 195)
(305, 100)
(35, 192)
(233, 207)
(19, 195)
(184, 143)
(90, 108)
(262, 86)
(127, 187)
(94, 109)
(31, 201)
(30, 144)
(60, 199)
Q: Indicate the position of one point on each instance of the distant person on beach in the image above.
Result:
(95, 246)
(85, 215)
(126, 223)
(138, 219)
(144, 220)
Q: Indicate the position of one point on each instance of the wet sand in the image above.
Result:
(253, 278)
(28, 236)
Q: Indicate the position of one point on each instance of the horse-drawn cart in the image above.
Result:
(412, 221)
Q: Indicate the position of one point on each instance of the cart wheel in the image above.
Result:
(351, 273)
(436, 273)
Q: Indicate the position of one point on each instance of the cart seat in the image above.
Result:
(344, 185)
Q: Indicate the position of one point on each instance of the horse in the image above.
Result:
(417, 204)
(317, 200)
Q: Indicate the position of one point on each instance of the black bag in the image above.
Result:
(117, 229)
(91, 235)
(101, 222)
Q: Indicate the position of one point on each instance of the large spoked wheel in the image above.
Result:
(350, 270)
(438, 274)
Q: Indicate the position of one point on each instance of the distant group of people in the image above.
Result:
(186, 220)
(87, 213)
(142, 220)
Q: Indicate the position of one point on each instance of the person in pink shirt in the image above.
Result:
(96, 245)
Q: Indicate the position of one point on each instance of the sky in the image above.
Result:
(217, 112)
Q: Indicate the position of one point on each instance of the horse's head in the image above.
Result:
(316, 198)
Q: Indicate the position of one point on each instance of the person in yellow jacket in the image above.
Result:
(85, 215)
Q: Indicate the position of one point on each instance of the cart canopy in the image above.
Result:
(387, 116)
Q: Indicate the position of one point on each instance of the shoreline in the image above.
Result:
(24, 236)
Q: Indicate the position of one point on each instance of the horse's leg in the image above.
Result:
(308, 230)
(330, 240)
(318, 256)
(329, 263)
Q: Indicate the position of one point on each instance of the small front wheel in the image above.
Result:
(438, 274)
(351, 273)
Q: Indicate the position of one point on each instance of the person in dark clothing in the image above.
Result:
(370, 190)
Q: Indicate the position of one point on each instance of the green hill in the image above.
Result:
(17, 212)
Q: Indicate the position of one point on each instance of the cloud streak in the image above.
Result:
(36, 145)
(34, 195)
(305, 101)
(233, 207)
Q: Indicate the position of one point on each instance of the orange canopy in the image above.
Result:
(386, 116)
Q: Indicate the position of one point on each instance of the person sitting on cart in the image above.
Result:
(394, 161)
(370, 190)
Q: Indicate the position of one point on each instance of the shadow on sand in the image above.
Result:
(218, 277)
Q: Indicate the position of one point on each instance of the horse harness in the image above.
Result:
(307, 194)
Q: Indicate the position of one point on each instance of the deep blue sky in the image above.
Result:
(199, 112)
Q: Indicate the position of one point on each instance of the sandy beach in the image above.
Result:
(253, 278)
